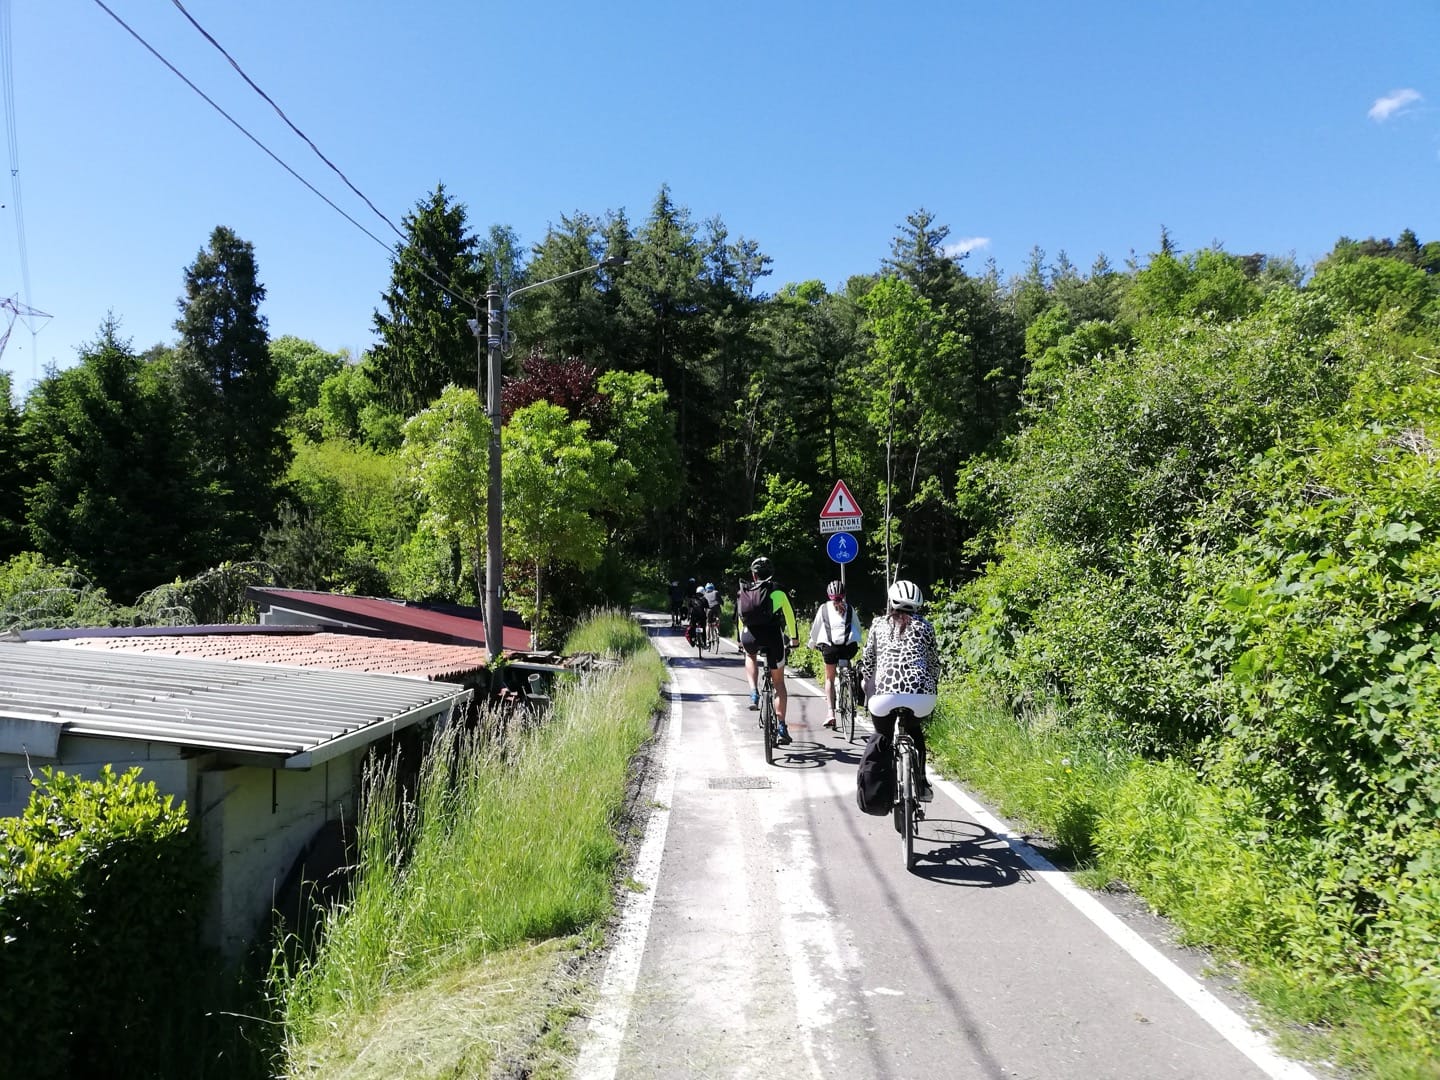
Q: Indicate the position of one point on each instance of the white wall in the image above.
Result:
(255, 822)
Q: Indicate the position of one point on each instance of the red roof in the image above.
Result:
(334, 652)
(397, 618)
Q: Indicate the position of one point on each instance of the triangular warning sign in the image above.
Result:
(841, 503)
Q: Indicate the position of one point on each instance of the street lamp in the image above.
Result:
(496, 305)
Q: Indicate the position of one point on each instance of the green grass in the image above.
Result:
(1200, 855)
(512, 842)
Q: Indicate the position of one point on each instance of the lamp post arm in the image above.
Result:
(561, 277)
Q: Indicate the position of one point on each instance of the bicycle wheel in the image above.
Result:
(905, 806)
(845, 707)
(767, 714)
(698, 635)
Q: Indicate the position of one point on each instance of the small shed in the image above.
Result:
(264, 756)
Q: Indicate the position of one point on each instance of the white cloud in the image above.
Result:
(1392, 103)
(965, 246)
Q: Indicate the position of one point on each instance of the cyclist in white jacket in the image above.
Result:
(836, 634)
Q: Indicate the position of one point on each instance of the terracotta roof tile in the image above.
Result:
(334, 652)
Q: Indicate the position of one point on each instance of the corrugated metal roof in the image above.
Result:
(302, 715)
(335, 652)
(394, 616)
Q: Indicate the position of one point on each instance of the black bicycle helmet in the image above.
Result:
(835, 590)
(761, 569)
(906, 596)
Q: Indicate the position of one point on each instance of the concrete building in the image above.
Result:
(264, 756)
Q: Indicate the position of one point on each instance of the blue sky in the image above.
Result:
(812, 128)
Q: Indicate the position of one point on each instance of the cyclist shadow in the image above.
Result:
(973, 856)
(813, 755)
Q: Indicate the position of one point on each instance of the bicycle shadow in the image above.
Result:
(804, 754)
(971, 855)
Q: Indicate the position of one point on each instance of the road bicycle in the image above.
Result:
(847, 696)
(909, 811)
(700, 638)
(712, 634)
(769, 719)
(674, 615)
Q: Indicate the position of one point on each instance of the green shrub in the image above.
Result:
(102, 888)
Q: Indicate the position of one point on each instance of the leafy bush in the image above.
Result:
(102, 888)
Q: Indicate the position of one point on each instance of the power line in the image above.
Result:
(271, 154)
(251, 82)
(7, 66)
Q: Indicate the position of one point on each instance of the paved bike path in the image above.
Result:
(785, 938)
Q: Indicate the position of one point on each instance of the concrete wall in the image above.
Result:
(255, 822)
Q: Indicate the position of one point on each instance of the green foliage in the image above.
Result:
(782, 527)
(115, 485)
(1368, 286)
(102, 887)
(445, 455)
(35, 593)
(302, 368)
(351, 407)
(12, 474)
(558, 481)
(354, 513)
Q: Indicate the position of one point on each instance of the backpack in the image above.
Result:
(756, 609)
(875, 778)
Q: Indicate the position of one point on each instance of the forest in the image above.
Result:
(1186, 506)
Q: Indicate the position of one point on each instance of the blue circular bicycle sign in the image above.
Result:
(841, 547)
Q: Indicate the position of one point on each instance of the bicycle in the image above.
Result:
(700, 638)
(712, 634)
(909, 811)
(847, 695)
(769, 719)
(675, 615)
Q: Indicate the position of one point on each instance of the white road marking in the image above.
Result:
(1206, 1005)
(600, 1053)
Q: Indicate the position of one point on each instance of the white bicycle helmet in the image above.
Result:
(906, 596)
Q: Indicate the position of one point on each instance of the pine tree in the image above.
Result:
(229, 385)
(437, 285)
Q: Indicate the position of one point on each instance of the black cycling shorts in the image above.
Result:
(774, 641)
(830, 653)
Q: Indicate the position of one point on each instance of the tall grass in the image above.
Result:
(511, 838)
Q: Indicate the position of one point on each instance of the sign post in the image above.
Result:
(840, 520)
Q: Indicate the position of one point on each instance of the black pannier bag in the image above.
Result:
(875, 779)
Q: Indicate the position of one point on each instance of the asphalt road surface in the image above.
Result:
(775, 932)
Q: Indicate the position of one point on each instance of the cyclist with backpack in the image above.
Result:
(697, 614)
(836, 633)
(902, 660)
(712, 598)
(768, 621)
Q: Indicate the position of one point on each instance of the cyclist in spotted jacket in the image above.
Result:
(902, 661)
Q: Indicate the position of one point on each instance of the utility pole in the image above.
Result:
(494, 563)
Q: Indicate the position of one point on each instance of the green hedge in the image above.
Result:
(102, 888)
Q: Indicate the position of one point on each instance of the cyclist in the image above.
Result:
(836, 633)
(696, 614)
(769, 624)
(712, 598)
(902, 660)
(677, 603)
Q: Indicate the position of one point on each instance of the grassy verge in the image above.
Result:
(1201, 856)
(511, 847)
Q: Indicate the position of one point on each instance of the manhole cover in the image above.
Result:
(739, 783)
